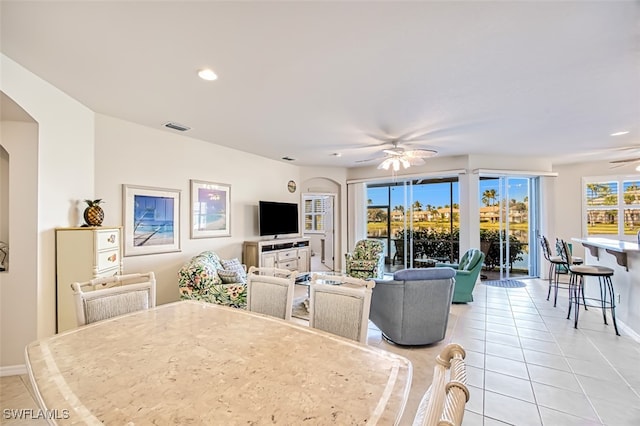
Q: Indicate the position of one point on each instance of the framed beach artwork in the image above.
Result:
(151, 220)
(210, 209)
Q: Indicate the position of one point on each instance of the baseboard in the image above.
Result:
(13, 370)
(628, 330)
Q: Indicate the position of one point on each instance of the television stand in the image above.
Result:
(284, 253)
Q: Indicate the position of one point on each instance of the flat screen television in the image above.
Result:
(275, 218)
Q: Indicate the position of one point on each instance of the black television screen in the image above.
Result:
(275, 218)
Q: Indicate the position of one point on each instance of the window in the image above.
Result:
(612, 206)
(314, 211)
(426, 211)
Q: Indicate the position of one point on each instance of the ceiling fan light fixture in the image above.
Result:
(385, 164)
(405, 163)
(638, 168)
(207, 74)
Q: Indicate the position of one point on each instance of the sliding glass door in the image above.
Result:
(417, 219)
(508, 220)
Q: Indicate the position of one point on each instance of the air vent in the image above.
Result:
(288, 158)
(177, 126)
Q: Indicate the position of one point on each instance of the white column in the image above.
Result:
(469, 211)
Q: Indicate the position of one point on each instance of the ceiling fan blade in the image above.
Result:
(617, 166)
(416, 161)
(370, 159)
(382, 138)
(394, 151)
(420, 153)
(628, 160)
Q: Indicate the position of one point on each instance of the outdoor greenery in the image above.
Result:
(441, 244)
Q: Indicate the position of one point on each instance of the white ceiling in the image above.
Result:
(309, 79)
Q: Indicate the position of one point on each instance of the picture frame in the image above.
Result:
(151, 218)
(210, 209)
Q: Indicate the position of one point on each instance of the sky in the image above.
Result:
(438, 194)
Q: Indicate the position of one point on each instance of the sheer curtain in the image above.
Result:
(356, 220)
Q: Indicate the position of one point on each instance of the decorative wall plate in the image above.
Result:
(291, 186)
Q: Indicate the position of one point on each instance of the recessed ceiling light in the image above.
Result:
(620, 133)
(207, 74)
(337, 154)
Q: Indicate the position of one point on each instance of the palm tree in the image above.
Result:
(417, 205)
(595, 191)
(489, 197)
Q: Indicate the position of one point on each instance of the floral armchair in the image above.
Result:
(208, 278)
(366, 261)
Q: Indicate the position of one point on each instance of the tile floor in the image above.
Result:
(526, 364)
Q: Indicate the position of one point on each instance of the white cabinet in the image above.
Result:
(83, 254)
(293, 254)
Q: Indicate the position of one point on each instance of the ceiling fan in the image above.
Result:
(398, 156)
(635, 159)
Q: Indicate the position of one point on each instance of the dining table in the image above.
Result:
(192, 362)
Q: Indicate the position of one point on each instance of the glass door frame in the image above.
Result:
(504, 213)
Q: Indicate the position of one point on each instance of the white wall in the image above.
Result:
(18, 291)
(64, 173)
(568, 217)
(128, 153)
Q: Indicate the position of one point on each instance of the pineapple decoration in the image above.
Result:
(93, 214)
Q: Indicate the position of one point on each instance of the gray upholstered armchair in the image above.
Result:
(413, 308)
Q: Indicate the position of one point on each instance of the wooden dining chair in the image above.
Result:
(340, 305)
(107, 297)
(443, 403)
(270, 291)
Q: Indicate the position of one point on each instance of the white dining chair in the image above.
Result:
(340, 305)
(270, 291)
(444, 402)
(107, 297)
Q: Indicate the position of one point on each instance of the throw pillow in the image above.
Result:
(235, 265)
(230, 277)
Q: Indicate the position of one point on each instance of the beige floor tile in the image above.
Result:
(552, 377)
(510, 410)
(540, 346)
(474, 359)
(472, 419)
(476, 400)
(492, 320)
(504, 351)
(615, 413)
(552, 417)
(502, 328)
(532, 325)
(509, 386)
(505, 339)
(475, 377)
(546, 360)
(616, 390)
(574, 403)
(506, 366)
(536, 334)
